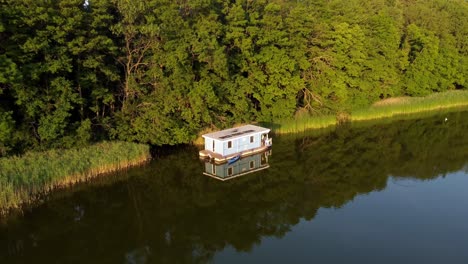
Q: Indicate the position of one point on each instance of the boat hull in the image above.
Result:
(219, 159)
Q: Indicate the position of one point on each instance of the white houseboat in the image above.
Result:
(231, 144)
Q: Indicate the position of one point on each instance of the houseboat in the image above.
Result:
(232, 144)
(246, 165)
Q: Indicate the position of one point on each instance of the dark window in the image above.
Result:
(251, 139)
(252, 164)
(229, 144)
(229, 171)
(213, 145)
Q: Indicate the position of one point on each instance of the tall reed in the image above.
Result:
(301, 124)
(410, 105)
(23, 179)
(384, 109)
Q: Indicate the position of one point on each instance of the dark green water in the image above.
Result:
(393, 193)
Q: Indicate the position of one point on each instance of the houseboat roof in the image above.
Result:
(237, 132)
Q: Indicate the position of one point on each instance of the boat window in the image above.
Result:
(229, 171)
(252, 164)
(229, 144)
(213, 169)
(251, 139)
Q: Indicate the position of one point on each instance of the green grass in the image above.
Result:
(411, 105)
(24, 179)
(302, 124)
(390, 108)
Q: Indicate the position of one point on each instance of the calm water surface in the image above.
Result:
(388, 193)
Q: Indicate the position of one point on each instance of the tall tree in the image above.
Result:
(61, 49)
(177, 67)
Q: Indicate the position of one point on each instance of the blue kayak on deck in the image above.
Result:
(233, 159)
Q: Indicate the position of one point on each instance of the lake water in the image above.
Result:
(367, 193)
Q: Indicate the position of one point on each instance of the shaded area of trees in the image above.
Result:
(160, 71)
(169, 212)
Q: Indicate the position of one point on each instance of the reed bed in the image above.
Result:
(302, 124)
(393, 107)
(24, 179)
(410, 105)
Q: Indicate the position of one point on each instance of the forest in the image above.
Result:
(73, 72)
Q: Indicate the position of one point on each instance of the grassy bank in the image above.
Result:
(410, 105)
(301, 124)
(24, 179)
(389, 108)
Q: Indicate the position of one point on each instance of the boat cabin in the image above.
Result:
(226, 144)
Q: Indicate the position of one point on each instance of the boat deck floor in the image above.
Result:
(219, 159)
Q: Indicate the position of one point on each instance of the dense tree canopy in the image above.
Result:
(160, 71)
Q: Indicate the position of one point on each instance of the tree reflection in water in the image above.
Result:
(168, 212)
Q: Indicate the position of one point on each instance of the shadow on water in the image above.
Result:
(160, 152)
(169, 212)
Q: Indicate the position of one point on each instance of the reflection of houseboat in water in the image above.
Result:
(241, 167)
(231, 144)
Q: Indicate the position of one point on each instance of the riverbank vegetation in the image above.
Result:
(410, 105)
(307, 174)
(24, 179)
(73, 72)
(389, 108)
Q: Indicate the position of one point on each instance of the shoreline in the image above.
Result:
(411, 106)
(58, 169)
(309, 124)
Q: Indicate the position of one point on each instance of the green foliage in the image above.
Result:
(302, 124)
(8, 70)
(6, 132)
(161, 71)
(401, 107)
(412, 105)
(62, 53)
(423, 52)
(84, 133)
